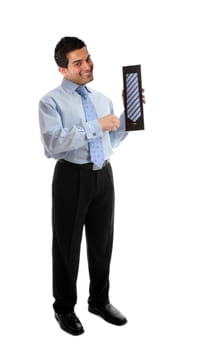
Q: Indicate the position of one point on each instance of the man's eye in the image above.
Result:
(77, 64)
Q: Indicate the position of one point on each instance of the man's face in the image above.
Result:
(80, 67)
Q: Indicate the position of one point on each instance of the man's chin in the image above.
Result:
(88, 78)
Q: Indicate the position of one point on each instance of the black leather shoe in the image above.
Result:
(109, 313)
(70, 323)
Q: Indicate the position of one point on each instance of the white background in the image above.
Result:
(159, 274)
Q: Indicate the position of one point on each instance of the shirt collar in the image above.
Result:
(70, 86)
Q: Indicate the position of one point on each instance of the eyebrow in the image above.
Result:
(79, 60)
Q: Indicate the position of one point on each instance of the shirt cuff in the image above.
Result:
(92, 129)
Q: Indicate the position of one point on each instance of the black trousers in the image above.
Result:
(81, 198)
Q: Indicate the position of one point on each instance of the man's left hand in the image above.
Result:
(143, 97)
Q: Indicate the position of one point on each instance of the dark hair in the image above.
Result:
(65, 45)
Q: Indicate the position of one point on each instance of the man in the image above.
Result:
(79, 129)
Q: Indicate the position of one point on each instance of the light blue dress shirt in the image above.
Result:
(64, 131)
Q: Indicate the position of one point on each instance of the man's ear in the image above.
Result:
(62, 70)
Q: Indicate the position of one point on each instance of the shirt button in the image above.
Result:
(94, 134)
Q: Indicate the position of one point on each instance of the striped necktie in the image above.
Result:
(133, 98)
(95, 146)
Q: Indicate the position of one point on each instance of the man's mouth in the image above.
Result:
(86, 75)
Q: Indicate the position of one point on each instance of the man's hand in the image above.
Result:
(143, 97)
(109, 122)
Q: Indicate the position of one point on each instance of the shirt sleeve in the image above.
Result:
(92, 129)
(120, 134)
(56, 138)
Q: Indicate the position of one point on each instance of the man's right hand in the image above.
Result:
(109, 122)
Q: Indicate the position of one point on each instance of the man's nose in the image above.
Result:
(86, 65)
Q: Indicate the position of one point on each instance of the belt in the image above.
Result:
(89, 166)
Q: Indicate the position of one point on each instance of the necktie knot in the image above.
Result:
(81, 90)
